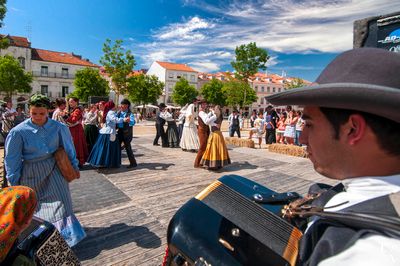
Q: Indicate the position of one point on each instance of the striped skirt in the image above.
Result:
(216, 154)
(54, 198)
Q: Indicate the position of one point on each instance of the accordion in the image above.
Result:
(234, 221)
(41, 244)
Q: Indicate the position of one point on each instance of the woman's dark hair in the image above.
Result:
(60, 101)
(386, 130)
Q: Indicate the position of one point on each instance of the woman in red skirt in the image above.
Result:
(74, 122)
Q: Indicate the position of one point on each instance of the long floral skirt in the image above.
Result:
(216, 154)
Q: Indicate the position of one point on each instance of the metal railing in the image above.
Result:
(53, 75)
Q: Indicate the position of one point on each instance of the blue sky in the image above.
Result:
(301, 36)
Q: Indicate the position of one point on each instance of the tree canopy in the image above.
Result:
(295, 83)
(213, 93)
(118, 63)
(143, 89)
(89, 82)
(234, 92)
(13, 77)
(183, 92)
(249, 59)
(4, 43)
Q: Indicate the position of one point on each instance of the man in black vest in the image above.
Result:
(125, 133)
(234, 123)
(352, 125)
(160, 128)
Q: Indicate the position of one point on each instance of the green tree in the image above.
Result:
(234, 91)
(143, 89)
(295, 83)
(13, 77)
(183, 92)
(249, 59)
(213, 93)
(89, 82)
(4, 42)
(118, 63)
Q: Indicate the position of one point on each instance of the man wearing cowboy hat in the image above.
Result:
(352, 125)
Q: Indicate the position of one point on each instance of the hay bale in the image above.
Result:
(292, 150)
(240, 142)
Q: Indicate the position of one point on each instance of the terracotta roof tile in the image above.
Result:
(17, 41)
(174, 66)
(60, 57)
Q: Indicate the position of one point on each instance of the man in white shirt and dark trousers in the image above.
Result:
(234, 123)
(352, 126)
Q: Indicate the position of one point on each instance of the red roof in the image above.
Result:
(178, 67)
(60, 57)
(17, 41)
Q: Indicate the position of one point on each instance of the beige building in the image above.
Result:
(53, 72)
(263, 84)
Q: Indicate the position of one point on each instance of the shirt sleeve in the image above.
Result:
(66, 142)
(211, 120)
(113, 117)
(75, 116)
(13, 159)
(203, 116)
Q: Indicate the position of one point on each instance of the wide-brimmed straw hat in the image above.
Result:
(363, 79)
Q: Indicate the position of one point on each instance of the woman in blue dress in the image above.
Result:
(30, 162)
(106, 151)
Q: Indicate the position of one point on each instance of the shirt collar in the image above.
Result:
(372, 182)
(35, 127)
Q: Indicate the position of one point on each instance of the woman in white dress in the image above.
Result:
(190, 137)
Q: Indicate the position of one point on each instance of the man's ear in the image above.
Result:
(354, 129)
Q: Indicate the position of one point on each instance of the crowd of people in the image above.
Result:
(284, 128)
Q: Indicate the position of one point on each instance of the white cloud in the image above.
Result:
(287, 26)
(189, 30)
(11, 8)
(272, 61)
(205, 66)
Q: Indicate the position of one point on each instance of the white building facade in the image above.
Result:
(169, 74)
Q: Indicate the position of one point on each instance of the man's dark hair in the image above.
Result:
(386, 130)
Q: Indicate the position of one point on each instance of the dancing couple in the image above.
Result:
(213, 153)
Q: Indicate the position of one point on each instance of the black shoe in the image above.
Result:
(132, 165)
(156, 144)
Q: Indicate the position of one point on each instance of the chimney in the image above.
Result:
(76, 55)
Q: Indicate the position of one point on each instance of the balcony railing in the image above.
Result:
(53, 75)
